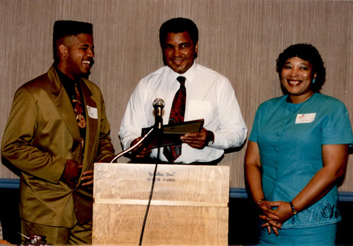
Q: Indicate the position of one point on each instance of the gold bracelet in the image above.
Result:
(260, 201)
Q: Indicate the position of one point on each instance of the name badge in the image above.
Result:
(92, 112)
(305, 118)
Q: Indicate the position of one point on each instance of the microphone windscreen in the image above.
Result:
(158, 102)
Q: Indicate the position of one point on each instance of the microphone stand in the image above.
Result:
(159, 136)
(158, 104)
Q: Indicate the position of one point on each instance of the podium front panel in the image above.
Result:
(189, 204)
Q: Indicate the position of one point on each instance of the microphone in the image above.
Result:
(158, 105)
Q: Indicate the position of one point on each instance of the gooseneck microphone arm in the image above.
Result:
(158, 105)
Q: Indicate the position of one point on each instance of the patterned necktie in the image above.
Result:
(79, 110)
(176, 116)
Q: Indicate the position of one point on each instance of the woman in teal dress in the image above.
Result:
(297, 153)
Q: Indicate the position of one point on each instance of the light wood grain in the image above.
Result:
(160, 202)
(181, 183)
(121, 225)
(189, 205)
(239, 38)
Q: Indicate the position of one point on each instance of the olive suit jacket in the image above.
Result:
(41, 134)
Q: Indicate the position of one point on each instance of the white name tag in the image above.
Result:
(305, 118)
(92, 112)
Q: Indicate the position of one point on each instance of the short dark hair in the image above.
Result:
(64, 28)
(308, 53)
(178, 25)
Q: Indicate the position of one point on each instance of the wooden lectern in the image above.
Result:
(189, 204)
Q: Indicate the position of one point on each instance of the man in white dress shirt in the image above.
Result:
(209, 96)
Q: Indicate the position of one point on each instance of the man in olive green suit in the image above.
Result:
(56, 130)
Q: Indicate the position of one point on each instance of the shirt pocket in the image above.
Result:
(200, 110)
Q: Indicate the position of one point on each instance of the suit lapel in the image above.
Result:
(63, 103)
(91, 121)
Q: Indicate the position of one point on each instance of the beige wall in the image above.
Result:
(238, 38)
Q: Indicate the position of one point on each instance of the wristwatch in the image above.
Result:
(293, 208)
(210, 138)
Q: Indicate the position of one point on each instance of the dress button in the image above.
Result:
(276, 149)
